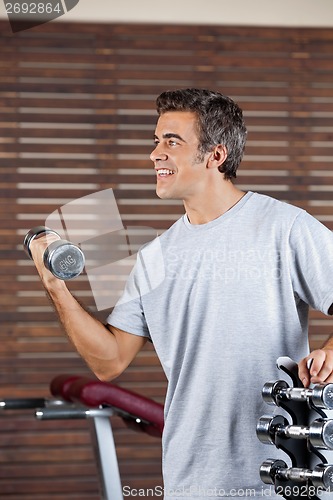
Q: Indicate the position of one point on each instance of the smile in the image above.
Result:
(164, 172)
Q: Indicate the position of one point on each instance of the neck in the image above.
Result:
(205, 209)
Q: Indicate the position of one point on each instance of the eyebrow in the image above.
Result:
(171, 135)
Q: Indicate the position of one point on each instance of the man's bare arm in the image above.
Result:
(321, 368)
(106, 350)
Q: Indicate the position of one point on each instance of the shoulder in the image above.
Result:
(282, 217)
(268, 205)
(295, 220)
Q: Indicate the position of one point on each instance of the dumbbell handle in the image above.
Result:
(319, 476)
(319, 433)
(296, 474)
(295, 431)
(321, 395)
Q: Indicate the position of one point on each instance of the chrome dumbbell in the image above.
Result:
(319, 433)
(321, 476)
(320, 396)
(64, 259)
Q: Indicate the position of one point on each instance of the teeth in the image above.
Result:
(164, 171)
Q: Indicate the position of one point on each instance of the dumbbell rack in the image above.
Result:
(309, 474)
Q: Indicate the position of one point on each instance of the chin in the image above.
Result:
(162, 195)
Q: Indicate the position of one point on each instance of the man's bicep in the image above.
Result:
(128, 344)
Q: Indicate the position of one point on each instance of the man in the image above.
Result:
(240, 271)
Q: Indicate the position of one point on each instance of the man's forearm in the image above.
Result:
(94, 342)
(108, 351)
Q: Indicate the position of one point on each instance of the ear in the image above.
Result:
(217, 156)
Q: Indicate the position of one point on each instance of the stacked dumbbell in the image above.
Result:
(296, 482)
(299, 439)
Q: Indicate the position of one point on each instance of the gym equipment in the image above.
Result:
(301, 439)
(321, 476)
(319, 433)
(320, 396)
(64, 259)
(76, 397)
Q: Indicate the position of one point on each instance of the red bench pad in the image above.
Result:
(93, 393)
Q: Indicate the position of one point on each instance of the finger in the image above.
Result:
(318, 362)
(311, 366)
(303, 371)
(325, 374)
(37, 249)
(329, 379)
(317, 380)
(39, 244)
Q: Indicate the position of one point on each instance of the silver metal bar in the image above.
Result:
(106, 458)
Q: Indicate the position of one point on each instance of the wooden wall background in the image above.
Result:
(77, 116)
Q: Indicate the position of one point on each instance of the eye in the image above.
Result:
(172, 143)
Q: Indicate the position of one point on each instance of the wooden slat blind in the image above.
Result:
(77, 116)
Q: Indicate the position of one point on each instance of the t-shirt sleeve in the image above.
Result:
(311, 257)
(147, 274)
(128, 313)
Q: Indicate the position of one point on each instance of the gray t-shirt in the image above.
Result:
(221, 302)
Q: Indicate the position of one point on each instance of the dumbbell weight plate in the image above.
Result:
(322, 476)
(271, 389)
(267, 427)
(322, 396)
(64, 260)
(269, 469)
(321, 434)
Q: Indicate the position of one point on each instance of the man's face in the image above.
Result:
(179, 168)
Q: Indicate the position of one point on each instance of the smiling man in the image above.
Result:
(240, 272)
(180, 161)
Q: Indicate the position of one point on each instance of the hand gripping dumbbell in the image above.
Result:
(320, 396)
(319, 433)
(321, 476)
(64, 259)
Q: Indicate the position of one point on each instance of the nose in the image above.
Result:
(157, 154)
